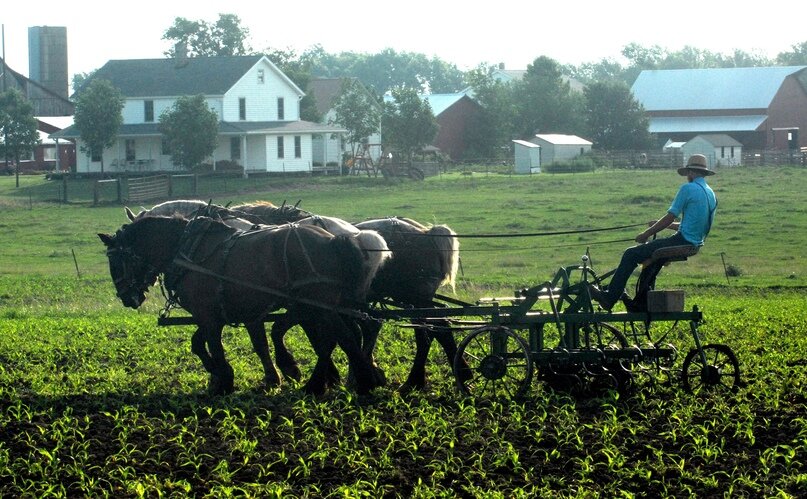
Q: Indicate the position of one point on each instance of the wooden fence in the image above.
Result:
(146, 188)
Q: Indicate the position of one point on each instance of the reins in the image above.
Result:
(533, 234)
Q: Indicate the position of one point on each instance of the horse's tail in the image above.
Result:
(356, 275)
(376, 252)
(448, 249)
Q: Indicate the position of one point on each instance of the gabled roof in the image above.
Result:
(325, 91)
(563, 140)
(710, 89)
(173, 78)
(719, 139)
(438, 102)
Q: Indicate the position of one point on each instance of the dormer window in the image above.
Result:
(261, 78)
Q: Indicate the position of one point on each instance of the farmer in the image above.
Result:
(695, 205)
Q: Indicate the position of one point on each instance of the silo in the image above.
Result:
(47, 57)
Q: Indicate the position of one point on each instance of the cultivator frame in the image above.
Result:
(554, 329)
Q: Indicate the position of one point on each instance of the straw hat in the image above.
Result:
(696, 163)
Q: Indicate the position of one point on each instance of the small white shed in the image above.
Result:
(557, 147)
(719, 149)
(528, 157)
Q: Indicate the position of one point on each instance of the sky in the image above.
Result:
(464, 33)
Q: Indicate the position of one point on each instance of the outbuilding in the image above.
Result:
(557, 147)
(527, 157)
(719, 149)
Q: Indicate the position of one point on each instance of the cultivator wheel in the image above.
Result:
(721, 369)
(500, 363)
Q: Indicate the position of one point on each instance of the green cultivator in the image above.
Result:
(554, 330)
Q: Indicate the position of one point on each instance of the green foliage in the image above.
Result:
(576, 165)
(202, 39)
(358, 112)
(489, 131)
(18, 127)
(615, 120)
(797, 56)
(191, 129)
(98, 116)
(545, 102)
(408, 122)
(388, 69)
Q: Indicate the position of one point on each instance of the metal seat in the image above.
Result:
(672, 254)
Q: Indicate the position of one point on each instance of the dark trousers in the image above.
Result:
(632, 257)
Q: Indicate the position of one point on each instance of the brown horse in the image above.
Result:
(272, 214)
(423, 259)
(225, 276)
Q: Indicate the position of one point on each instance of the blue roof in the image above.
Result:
(438, 102)
(706, 124)
(701, 89)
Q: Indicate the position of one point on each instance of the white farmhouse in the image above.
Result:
(257, 104)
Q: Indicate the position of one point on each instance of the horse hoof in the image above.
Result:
(379, 377)
(217, 386)
(272, 381)
(292, 372)
(315, 390)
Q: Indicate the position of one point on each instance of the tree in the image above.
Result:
(98, 117)
(357, 111)
(407, 122)
(18, 133)
(489, 132)
(545, 101)
(796, 57)
(615, 120)
(201, 39)
(191, 129)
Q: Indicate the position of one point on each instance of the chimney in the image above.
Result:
(501, 65)
(180, 55)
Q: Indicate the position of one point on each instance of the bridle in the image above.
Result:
(128, 284)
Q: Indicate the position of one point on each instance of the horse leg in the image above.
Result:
(284, 358)
(257, 334)
(199, 347)
(356, 359)
(369, 337)
(325, 373)
(222, 380)
(417, 375)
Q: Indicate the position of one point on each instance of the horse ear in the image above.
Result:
(129, 214)
(106, 239)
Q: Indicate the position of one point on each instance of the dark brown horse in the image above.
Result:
(225, 276)
(423, 259)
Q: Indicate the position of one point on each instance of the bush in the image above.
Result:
(576, 165)
(224, 165)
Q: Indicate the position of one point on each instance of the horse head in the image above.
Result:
(130, 273)
(132, 266)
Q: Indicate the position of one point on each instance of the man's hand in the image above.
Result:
(642, 238)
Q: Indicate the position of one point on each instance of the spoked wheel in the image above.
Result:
(499, 361)
(604, 336)
(721, 369)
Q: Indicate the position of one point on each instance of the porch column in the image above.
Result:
(244, 155)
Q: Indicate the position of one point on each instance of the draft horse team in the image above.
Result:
(232, 266)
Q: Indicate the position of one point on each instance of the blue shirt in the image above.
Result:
(695, 205)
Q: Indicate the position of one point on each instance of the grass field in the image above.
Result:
(95, 400)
